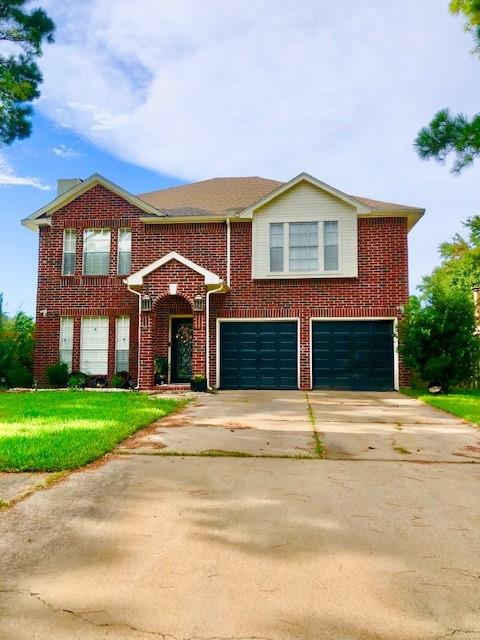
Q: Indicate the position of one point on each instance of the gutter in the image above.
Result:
(228, 250)
(220, 289)
(137, 293)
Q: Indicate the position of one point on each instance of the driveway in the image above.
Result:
(360, 426)
(177, 547)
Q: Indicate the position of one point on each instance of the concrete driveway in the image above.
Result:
(373, 546)
(193, 548)
(366, 426)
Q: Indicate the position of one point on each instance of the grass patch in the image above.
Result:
(401, 450)
(53, 431)
(319, 448)
(464, 404)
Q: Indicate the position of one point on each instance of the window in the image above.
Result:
(303, 246)
(66, 341)
(122, 343)
(124, 251)
(330, 246)
(94, 346)
(276, 246)
(69, 248)
(96, 252)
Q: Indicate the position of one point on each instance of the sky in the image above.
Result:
(153, 93)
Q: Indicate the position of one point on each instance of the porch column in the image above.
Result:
(146, 372)
(199, 343)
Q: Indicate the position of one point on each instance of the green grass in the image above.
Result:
(56, 430)
(464, 404)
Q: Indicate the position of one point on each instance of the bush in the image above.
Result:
(18, 376)
(437, 339)
(57, 374)
(120, 380)
(77, 380)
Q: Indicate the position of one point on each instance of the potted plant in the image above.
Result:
(198, 382)
(160, 367)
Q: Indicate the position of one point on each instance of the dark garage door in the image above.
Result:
(355, 355)
(258, 355)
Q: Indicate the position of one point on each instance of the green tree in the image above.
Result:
(460, 266)
(437, 338)
(23, 32)
(455, 133)
(17, 339)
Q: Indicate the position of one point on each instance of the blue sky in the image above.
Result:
(151, 94)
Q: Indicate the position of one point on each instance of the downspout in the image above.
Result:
(207, 331)
(139, 330)
(228, 250)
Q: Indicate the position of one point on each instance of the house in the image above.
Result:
(254, 283)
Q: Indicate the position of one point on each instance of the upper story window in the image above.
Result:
(330, 246)
(124, 251)
(295, 247)
(303, 246)
(69, 250)
(96, 252)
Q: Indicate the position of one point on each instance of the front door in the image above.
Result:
(181, 345)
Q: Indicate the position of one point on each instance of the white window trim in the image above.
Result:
(243, 319)
(118, 250)
(96, 275)
(69, 275)
(286, 273)
(396, 361)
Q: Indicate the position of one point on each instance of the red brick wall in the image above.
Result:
(381, 286)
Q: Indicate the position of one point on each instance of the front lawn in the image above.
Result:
(464, 404)
(55, 430)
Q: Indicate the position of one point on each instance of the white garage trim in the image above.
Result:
(396, 365)
(243, 319)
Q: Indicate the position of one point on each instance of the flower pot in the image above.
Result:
(198, 385)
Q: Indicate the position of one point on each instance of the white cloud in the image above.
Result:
(270, 88)
(63, 151)
(8, 177)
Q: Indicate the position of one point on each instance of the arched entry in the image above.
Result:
(173, 336)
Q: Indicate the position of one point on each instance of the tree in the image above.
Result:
(454, 133)
(437, 338)
(24, 32)
(460, 266)
(16, 349)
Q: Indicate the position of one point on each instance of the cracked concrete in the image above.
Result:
(351, 426)
(245, 548)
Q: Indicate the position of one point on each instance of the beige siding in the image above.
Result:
(306, 203)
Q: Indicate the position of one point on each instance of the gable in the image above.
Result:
(305, 202)
(43, 215)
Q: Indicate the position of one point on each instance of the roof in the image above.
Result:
(231, 195)
(217, 195)
(214, 198)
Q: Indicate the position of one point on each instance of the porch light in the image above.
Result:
(198, 303)
(146, 303)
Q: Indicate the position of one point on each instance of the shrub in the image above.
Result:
(77, 380)
(120, 380)
(57, 374)
(18, 376)
(437, 339)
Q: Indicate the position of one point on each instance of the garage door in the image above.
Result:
(258, 355)
(355, 355)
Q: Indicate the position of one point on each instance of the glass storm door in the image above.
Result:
(182, 339)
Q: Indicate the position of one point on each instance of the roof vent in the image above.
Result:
(65, 184)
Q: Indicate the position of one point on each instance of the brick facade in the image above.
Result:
(379, 291)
